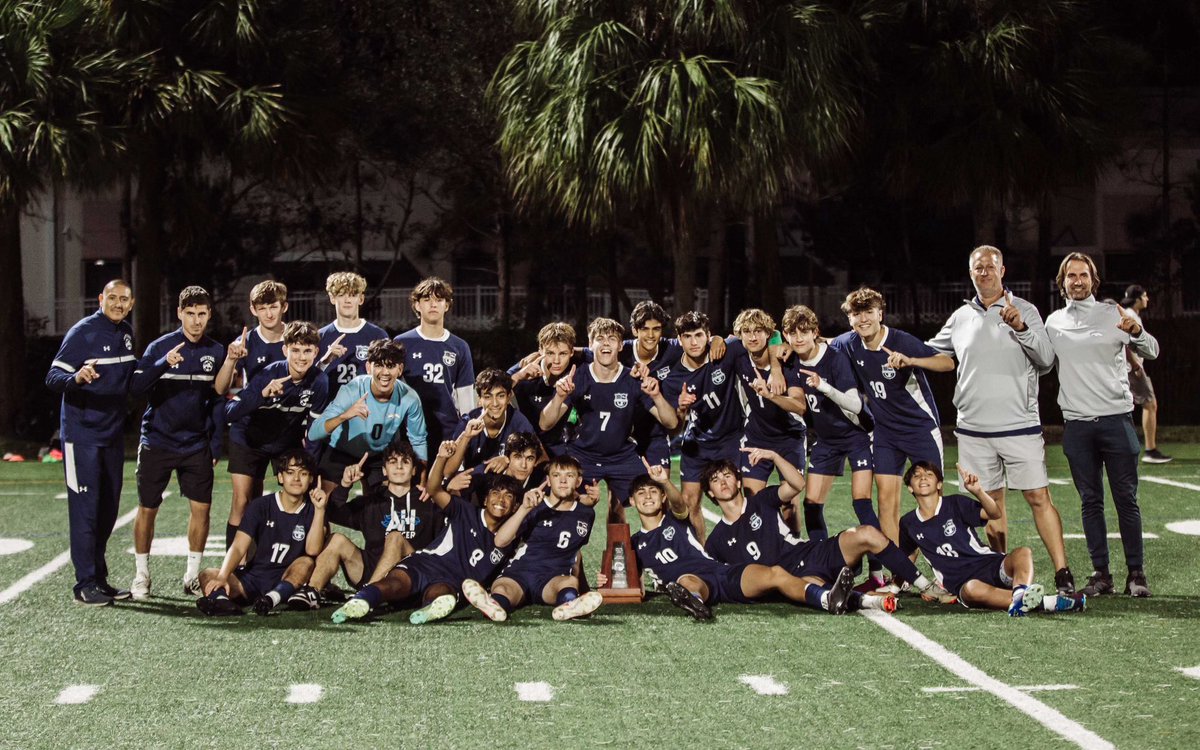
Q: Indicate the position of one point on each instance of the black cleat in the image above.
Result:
(305, 599)
(839, 593)
(687, 601)
(118, 595)
(221, 606)
(93, 596)
(1135, 584)
(333, 595)
(1064, 581)
(1099, 584)
(263, 605)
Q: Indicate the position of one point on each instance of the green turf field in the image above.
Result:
(629, 677)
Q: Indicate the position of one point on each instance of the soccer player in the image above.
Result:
(287, 532)
(942, 528)
(1089, 340)
(1135, 303)
(1002, 348)
(271, 414)
(499, 416)
(668, 551)
(260, 346)
(605, 395)
(466, 548)
(348, 338)
(177, 372)
(394, 518)
(751, 530)
(652, 355)
(533, 384)
(522, 460)
(438, 364)
(771, 419)
(552, 528)
(370, 413)
(92, 370)
(890, 367)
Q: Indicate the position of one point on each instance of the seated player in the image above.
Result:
(752, 530)
(287, 532)
(668, 551)
(394, 520)
(347, 340)
(466, 548)
(553, 528)
(942, 528)
(522, 459)
(370, 413)
(533, 384)
(500, 418)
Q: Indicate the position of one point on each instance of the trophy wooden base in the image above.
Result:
(618, 546)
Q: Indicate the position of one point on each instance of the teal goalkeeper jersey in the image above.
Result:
(388, 421)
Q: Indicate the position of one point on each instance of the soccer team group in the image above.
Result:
(485, 486)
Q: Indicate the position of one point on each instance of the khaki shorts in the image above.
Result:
(1141, 388)
(1017, 462)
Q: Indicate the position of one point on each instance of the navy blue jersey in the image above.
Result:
(354, 362)
(767, 424)
(718, 413)
(672, 550)
(379, 513)
(483, 446)
(259, 354)
(532, 396)
(279, 536)
(758, 536)
(93, 413)
(647, 429)
(829, 422)
(606, 413)
(466, 548)
(279, 423)
(900, 400)
(181, 397)
(480, 483)
(947, 540)
(551, 538)
(443, 375)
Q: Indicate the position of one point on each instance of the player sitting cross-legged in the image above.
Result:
(552, 529)
(287, 532)
(942, 528)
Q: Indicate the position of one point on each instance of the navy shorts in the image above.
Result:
(692, 463)
(369, 561)
(822, 559)
(532, 578)
(792, 452)
(618, 473)
(257, 582)
(893, 450)
(828, 458)
(424, 572)
(658, 451)
(989, 569)
(725, 587)
(154, 467)
(248, 461)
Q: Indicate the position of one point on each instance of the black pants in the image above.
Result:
(1106, 444)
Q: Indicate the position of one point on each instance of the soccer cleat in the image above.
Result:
(1070, 603)
(885, 602)
(191, 587)
(1135, 584)
(481, 600)
(1099, 584)
(140, 588)
(1156, 456)
(687, 601)
(935, 593)
(304, 599)
(1064, 581)
(581, 606)
(217, 606)
(435, 610)
(872, 584)
(118, 595)
(1025, 599)
(355, 609)
(839, 592)
(332, 593)
(92, 596)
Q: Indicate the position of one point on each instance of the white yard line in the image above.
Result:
(1170, 483)
(28, 580)
(763, 684)
(73, 695)
(1022, 688)
(959, 667)
(1112, 535)
(305, 693)
(534, 692)
(710, 516)
(1193, 672)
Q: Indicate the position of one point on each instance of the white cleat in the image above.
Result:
(191, 586)
(481, 600)
(580, 606)
(140, 588)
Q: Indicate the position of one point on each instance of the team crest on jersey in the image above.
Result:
(207, 362)
(360, 351)
(663, 372)
(305, 397)
(755, 521)
(888, 372)
(718, 377)
(620, 400)
(449, 358)
(581, 528)
(298, 533)
(128, 342)
(497, 557)
(669, 533)
(948, 528)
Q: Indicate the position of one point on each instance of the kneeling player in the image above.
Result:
(465, 549)
(554, 528)
(287, 531)
(667, 549)
(942, 529)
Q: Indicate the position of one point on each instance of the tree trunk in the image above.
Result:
(150, 251)
(767, 264)
(683, 255)
(717, 272)
(1040, 293)
(12, 319)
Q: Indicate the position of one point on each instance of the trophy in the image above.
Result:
(620, 566)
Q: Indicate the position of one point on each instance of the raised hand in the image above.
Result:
(593, 492)
(758, 384)
(758, 454)
(1127, 324)
(639, 370)
(814, 380)
(237, 349)
(534, 369)
(496, 465)
(447, 449)
(686, 399)
(535, 495)
(173, 356)
(318, 497)
(565, 385)
(969, 481)
(87, 373)
(474, 427)
(459, 482)
(650, 386)
(658, 473)
(275, 387)
(1011, 315)
(896, 360)
(354, 472)
(358, 409)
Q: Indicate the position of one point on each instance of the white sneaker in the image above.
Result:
(580, 606)
(191, 586)
(140, 588)
(479, 598)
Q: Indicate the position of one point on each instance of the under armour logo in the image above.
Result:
(547, 522)
(270, 524)
(920, 536)
(416, 355)
(261, 360)
(861, 462)
(587, 397)
(108, 348)
(732, 541)
(82, 489)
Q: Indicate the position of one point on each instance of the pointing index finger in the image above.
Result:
(338, 340)
(363, 460)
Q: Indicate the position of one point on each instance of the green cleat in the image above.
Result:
(355, 609)
(435, 610)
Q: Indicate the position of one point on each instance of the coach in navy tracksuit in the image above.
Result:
(92, 370)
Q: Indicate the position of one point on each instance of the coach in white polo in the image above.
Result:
(1002, 349)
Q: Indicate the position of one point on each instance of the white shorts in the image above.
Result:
(1017, 462)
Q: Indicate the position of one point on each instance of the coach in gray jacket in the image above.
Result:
(1089, 340)
(1002, 349)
